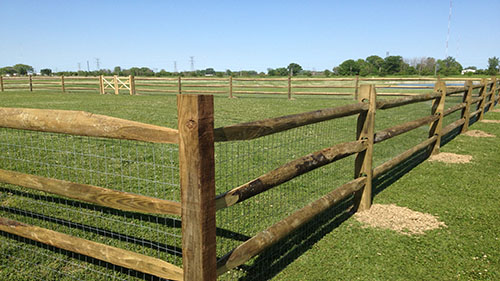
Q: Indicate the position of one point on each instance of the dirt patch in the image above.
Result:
(399, 219)
(495, 110)
(478, 134)
(491, 121)
(453, 158)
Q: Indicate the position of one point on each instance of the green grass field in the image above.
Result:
(464, 197)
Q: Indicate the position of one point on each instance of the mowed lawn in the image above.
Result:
(464, 196)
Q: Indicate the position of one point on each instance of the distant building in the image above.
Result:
(468, 71)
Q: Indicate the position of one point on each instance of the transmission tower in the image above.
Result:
(175, 66)
(79, 66)
(88, 66)
(97, 63)
(191, 59)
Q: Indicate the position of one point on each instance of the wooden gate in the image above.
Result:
(116, 84)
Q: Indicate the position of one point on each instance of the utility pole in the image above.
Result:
(88, 66)
(175, 66)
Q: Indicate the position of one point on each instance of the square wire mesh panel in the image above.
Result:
(130, 166)
(238, 162)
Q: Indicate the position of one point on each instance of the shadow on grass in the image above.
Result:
(86, 259)
(275, 258)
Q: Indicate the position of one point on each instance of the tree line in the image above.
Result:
(371, 66)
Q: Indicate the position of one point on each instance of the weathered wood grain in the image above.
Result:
(466, 110)
(454, 108)
(386, 166)
(364, 159)
(197, 177)
(287, 172)
(84, 124)
(452, 126)
(93, 194)
(438, 110)
(403, 128)
(279, 230)
(256, 129)
(390, 103)
(92, 249)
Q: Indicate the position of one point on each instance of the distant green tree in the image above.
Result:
(375, 64)
(229, 72)
(493, 64)
(46, 71)
(392, 65)
(23, 69)
(294, 68)
(117, 70)
(272, 72)
(348, 67)
(209, 71)
(7, 70)
(281, 71)
(327, 73)
(449, 66)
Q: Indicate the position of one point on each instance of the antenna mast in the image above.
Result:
(448, 35)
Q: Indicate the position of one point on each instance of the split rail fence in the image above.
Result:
(194, 151)
(231, 86)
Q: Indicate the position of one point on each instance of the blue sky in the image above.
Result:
(242, 34)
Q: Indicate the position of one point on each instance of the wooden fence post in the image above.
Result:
(31, 82)
(101, 84)
(1, 83)
(482, 103)
(63, 87)
(231, 86)
(289, 87)
(492, 92)
(356, 87)
(466, 111)
(115, 83)
(131, 84)
(179, 84)
(365, 131)
(438, 109)
(197, 178)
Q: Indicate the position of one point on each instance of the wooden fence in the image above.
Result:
(196, 137)
(230, 86)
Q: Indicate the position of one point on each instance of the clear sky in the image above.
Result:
(240, 35)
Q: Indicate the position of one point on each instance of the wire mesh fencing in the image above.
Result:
(134, 167)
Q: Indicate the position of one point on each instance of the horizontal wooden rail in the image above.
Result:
(93, 194)
(456, 91)
(475, 113)
(93, 249)
(287, 172)
(84, 124)
(279, 230)
(260, 92)
(203, 79)
(69, 88)
(409, 86)
(454, 108)
(256, 129)
(157, 90)
(204, 91)
(156, 84)
(386, 166)
(260, 79)
(323, 79)
(476, 100)
(37, 82)
(323, 93)
(322, 87)
(155, 78)
(403, 128)
(205, 85)
(452, 126)
(390, 103)
(258, 86)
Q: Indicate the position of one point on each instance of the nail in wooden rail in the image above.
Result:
(466, 111)
(438, 109)
(197, 177)
(365, 131)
